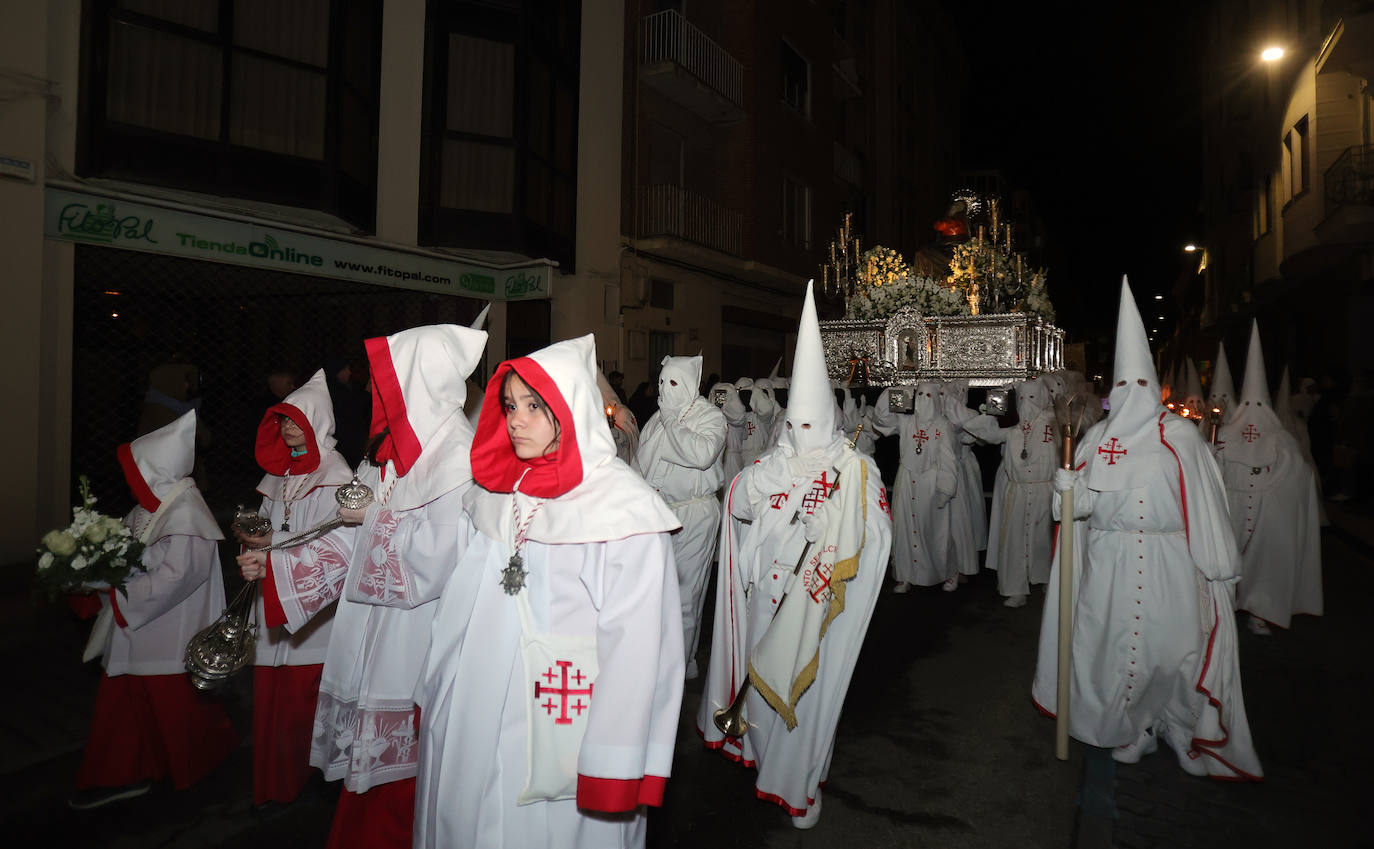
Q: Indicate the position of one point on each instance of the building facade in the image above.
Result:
(219, 189)
(1288, 210)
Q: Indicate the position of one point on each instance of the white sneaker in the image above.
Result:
(902, 587)
(1259, 626)
(812, 816)
(1014, 601)
(950, 585)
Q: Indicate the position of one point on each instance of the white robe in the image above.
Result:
(1154, 635)
(1277, 525)
(476, 703)
(308, 644)
(927, 481)
(364, 720)
(750, 583)
(681, 460)
(759, 435)
(181, 593)
(732, 460)
(1020, 530)
(968, 520)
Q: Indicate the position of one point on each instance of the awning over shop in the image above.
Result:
(117, 220)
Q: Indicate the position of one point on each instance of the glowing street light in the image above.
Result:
(1271, 54)
(1159, 297)
(1190, 247)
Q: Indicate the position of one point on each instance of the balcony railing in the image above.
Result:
(668, 37)
(1350, 179)
(668, 210)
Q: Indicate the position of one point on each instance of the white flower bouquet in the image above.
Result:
(93, 552)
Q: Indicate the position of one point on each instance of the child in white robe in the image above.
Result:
(149, 721)
(295, 447)
(549, 699)
(385, 571)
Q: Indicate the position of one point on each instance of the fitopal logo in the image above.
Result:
(269, 248)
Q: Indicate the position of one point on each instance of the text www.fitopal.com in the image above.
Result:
(388, 271)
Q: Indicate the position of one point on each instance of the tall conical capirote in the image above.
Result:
(1255, 390)
(811, 404)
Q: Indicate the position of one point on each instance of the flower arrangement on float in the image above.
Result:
(94, 552)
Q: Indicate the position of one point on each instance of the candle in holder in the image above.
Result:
(980, 235)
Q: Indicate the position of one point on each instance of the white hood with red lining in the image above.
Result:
(592, 496)
(311, 408)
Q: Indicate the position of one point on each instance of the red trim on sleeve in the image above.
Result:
(114, 605)
(142, 493)
(616, 795)
(272, 612)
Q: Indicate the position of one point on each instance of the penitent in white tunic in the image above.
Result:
(476, 704)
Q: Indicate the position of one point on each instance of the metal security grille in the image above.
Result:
(141, 318)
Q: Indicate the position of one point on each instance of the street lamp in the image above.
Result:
(1159, 297)
(1271, 54)
(1190, 247)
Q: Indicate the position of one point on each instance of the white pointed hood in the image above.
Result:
(1221, 391)
(157, 467)
(1192, 387)
(418, 389)
(678, 383)
(590, 494)
(1251, 436)
(311, 408)
(764, 399)
(1032, 396)
(1125, 453)
(480, 322)
(810, 404)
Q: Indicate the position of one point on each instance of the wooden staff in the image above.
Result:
(1069, 423)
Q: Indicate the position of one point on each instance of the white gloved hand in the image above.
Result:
(815, 524)
(1064, 479)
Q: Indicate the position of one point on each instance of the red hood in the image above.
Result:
(494, 464)
(271, 452)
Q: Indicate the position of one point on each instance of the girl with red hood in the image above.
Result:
(385, 571)
(149, 722)
(549, 699)
(295, 447)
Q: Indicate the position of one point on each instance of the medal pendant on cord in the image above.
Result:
(513, 576)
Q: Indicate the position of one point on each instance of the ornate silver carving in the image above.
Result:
(986, 350)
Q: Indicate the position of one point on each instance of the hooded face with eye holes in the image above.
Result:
(677, 383)
(1032, 396)
(764, 400)
(811, 415)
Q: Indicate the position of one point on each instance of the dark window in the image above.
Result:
(796, 81)
(1304, 155)
(661, 293)
(499, 147)
(796, 212)
(247, 98)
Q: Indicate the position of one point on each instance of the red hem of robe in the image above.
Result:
(381, 818)
(781, 803)
(719, 746)
(1043, 710)
(284, 699)
(617, 795)
(273, 614)
(148, 727)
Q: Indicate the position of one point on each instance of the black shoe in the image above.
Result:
(95, 797)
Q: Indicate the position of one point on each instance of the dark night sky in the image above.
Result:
(1094, 109)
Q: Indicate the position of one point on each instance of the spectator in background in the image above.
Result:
(173, 390)
(617, 381)
(352, 408)
(1348, 455)
(644, 402)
